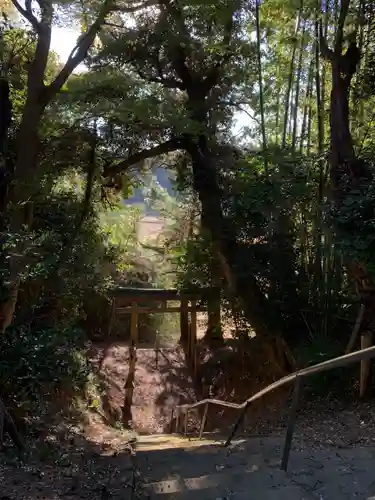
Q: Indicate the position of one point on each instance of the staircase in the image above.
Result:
(183, 469)
(179, 468)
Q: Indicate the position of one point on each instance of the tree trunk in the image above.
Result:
(348, 174)
(5, 122)
(206, 181)
(241, 284)
(214, 333)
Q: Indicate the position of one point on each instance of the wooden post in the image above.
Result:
(177, 420)
(203, 423)
(366, 341)
(129, 384)
(157, 351)
(291, 424)
(193, 333)
(186, 421)
(184, 322)
(112, 317)
(171, 424)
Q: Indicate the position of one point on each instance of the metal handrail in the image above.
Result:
(295, 377)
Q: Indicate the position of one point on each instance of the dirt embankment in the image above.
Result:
(162, 381)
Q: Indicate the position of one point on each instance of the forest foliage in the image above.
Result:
(234, 99)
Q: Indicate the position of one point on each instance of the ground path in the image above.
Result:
(249, 469)
(94, 463)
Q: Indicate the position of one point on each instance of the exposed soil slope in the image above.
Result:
(161, 382)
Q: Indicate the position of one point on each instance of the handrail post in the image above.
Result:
(291, 424)
(365, 365)
(203, 423)
(240, 419)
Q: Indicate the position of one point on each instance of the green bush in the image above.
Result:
(38, 367)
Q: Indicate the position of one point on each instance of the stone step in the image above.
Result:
(177, 441)
(186, 469)
(238, 484)
(159, 456)
(250, 470)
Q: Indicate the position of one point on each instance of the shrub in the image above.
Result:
(40, 367)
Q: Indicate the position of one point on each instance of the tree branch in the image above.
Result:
(340, 26)
(165, 147)
(170, 83)
(167, 82)
(177, 51)
(325, 51)
(212, 76)
(43, 28)
(135, 8)
(27, 13)
(79, 52)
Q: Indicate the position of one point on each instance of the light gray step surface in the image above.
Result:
(250, 469)
(236, 485)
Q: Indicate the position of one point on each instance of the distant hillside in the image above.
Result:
(163, 178)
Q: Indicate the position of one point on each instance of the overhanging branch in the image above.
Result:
(79, 52)
(165, 147)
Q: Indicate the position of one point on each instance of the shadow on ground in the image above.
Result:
(251, 470)
(71, 466)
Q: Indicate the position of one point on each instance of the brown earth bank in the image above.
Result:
(163, 380)
(232, 372)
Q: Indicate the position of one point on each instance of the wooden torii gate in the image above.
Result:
(134, 301)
